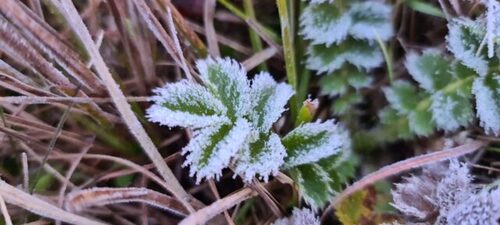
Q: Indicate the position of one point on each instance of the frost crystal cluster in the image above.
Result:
(443, 195)
(299, 217)
(232, 119)
(448, 86)
(343, 39)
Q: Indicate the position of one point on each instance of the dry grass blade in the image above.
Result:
(177, 43)
(208, 19)
(21, 199)
(135, 127)
(155, 26)
(47, 100)
(259, 57)
(5, 213)
(186, 31)
(80, 200)
(408, 164)
(15, 45)
(48, 41)
(202, 216)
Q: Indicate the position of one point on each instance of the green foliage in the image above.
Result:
(232, 120)
(343, 45)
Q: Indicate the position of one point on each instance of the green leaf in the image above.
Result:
(333, 84)
(268, 101)
(431, 69)
(212, 148)
(227, 80)
(426, 8)
(262, 158)
(327, 59)
(325, 23)
(370, 19)
(451, 111)
(464, 41)
(402, 96)
(313, 183)
(421, 122)
(345, 102)
(311, 142)
(186, 104)
(487, 92)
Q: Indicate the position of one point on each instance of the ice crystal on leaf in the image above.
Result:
(370, 20)
(299, 217)
(444, 195)
(232, 121)
(313, 141)
(444, 103)
(325, 23)
(464, 41)
(487, 92)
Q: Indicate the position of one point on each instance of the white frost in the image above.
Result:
(274, 106)
(417, 70)
(465, 52)
(222, 152)
(302, 216)
(443, 113)
(319, 26)
(186, 94)
(377, 21)
(487, 104)
(265, 164)
(336, 140)
(236, 76)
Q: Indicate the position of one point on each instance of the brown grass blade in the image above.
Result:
(80, 200)
(47, 40)
(35, 205)
(201, 216)
(408, 164)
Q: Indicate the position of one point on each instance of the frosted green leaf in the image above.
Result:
(451, 111)
(487, 92)
(324, 24)
(227, 80)
(311, 142)
(333, 84)
(268, 101)
(261, 158)
(314, 184)
(402, 96)
(371, 19)
(421, 122)
(359, 80)
(212, 148)
(343, 104)
(430, 70)
(186, 104)
(464, 40)
(361, 54)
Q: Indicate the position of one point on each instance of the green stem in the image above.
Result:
(289, 52)
(239, 13)
(254, 37)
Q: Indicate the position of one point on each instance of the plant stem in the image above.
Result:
(289, 52)
(254, 37)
